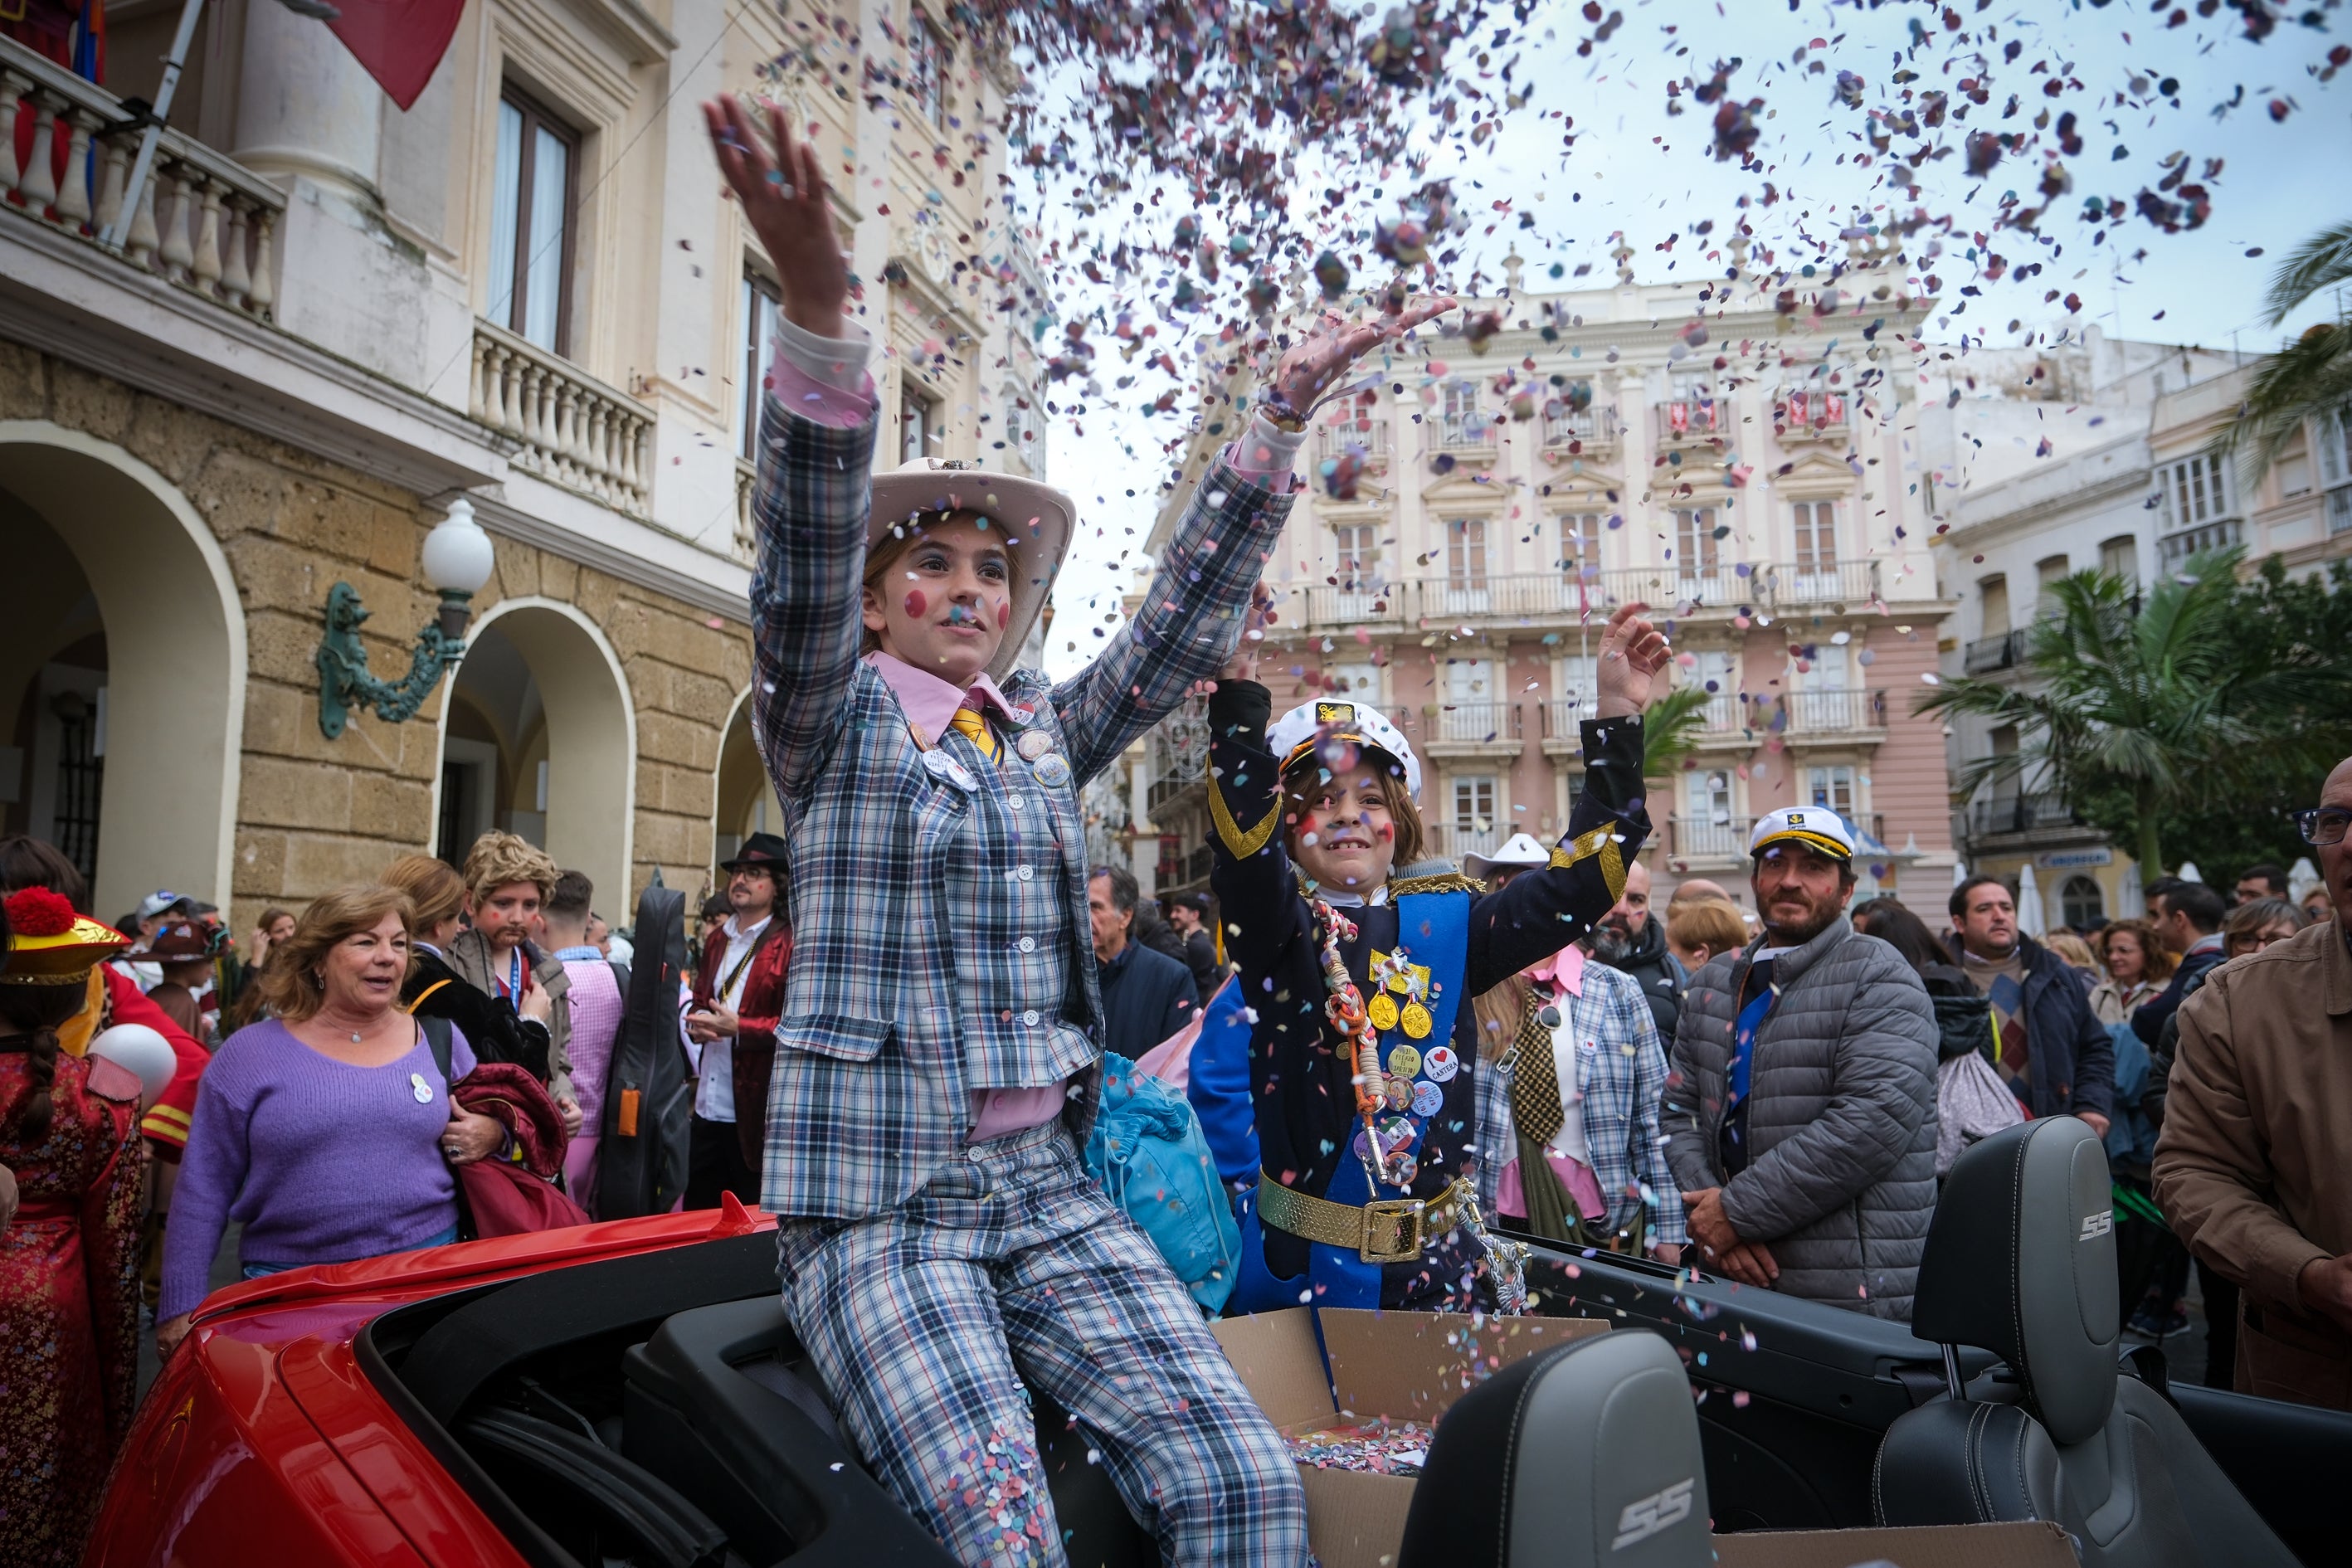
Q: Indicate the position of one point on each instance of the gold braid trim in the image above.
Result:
(1601, 841)
(1443, 882)
(1243, 845)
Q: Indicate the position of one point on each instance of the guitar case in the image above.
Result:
(649, 1097)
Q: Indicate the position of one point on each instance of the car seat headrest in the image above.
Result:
(2020, 1262)
(1582, 1455)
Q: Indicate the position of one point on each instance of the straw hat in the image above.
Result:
(50, 944)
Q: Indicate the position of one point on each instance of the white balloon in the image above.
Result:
(143, 1051)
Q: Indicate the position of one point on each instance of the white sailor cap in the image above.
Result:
(1296, 733)
(1814, 826)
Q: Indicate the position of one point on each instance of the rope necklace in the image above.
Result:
(1345, 1008)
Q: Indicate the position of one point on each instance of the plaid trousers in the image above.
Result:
(1010, 1262)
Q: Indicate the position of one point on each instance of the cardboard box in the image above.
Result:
(1407, 1367)
(2039, 1545)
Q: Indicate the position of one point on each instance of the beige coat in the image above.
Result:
(2250, 1166)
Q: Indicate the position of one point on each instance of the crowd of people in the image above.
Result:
(1403, 1070)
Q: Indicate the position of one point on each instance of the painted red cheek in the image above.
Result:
(1003, 614)
(1387, 832)
(916, 602)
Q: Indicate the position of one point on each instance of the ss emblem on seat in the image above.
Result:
(2097, 1224)
(1645, 1517)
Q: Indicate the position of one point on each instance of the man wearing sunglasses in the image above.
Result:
(2250, 1168)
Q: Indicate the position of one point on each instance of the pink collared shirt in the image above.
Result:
(1565, 971)
(930, 704)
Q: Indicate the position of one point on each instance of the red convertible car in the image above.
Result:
(629, 1392)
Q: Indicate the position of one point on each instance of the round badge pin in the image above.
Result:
(1033, 744)
(1382, 1012)
(1404, 1061)
(1426, 1099)
(1400, 1093)
(1054, 771)
(420, 1089)
(1417, 1021)
(1441, 1064)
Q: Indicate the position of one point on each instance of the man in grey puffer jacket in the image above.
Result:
(1800, 1109)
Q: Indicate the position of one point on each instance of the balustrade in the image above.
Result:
(202, 222)
(575, 431)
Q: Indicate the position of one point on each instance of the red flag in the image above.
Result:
(399, 41)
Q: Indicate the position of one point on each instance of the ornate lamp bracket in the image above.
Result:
(344, 683)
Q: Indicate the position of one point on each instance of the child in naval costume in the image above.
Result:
(1360, 966)
(939, 1056)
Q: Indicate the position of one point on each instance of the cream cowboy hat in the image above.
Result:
(1037, 518)
(1519, 851)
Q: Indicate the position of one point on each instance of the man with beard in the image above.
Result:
(1628, 940)
(1800, 1111)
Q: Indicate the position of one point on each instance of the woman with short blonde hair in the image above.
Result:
(327, 1131)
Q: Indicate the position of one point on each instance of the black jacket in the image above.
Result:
(1303, 1084)
(2149, 1018)
(491, 1026)
(1200, 958)
(1659, 974)
(1146, 996)
(2070, 1060)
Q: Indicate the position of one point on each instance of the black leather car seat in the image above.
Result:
(1579, 1456)
(2020, 1262)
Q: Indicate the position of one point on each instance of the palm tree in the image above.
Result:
(2309, 378)
(2149, 702)
(1670, 729)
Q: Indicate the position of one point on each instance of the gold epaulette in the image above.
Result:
(1242, 844)
(1602, 841)
(1443, 882)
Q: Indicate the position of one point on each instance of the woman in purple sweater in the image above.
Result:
(327, 1131)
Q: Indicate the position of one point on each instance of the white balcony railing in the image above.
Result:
(747, 532)
(203, 221)
(1367, 438)
(1592, 427)
(575, 431)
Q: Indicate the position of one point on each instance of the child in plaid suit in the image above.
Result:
(939, 1055)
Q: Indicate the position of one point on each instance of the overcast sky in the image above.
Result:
(1636, 168)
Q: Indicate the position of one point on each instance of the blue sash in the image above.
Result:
(1433, 930)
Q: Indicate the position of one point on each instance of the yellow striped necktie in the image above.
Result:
(968, 723)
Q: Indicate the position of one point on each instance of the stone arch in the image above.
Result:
(107, 557)
(743, 800)
(543, 679)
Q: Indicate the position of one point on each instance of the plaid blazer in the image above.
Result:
(1624, 1076)
(867, 1098)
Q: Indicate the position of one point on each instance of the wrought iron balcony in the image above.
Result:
(1987, 654)
(1833, 712)
(1477, 723)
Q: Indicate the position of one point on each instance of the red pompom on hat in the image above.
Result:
(48, 944)
(38, 911)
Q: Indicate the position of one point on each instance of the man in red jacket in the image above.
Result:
(739, 995)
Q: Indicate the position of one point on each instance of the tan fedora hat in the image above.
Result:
(1037, 518)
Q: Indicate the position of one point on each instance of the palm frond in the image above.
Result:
(1670, 729)
(2325, 259)
(2305, 379)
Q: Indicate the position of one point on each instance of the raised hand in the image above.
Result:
(784, 202)
(1633, 654)
(1243, 665)
(1310, 367)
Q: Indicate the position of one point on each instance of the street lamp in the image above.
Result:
(458, 561)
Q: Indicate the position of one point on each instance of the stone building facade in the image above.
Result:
(322, 330)
(1743, 457)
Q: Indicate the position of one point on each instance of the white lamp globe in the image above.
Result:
(143, 1052)
(457, 554)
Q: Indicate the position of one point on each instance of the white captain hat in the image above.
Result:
(1816, 827)
(1518, 852)
(1297, 732)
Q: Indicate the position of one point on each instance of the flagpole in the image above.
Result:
(173, 62)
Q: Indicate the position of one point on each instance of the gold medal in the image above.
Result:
(1416, 1020)
(1383, 1011)
(1404, 1061)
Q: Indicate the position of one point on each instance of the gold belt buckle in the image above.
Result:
(1404, 1215)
